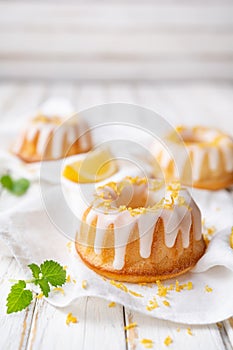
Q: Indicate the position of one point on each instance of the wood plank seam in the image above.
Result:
(225, 338)
(125, 331)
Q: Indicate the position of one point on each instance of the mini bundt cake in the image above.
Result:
(140, 230)
(206, 163)
(51, 138)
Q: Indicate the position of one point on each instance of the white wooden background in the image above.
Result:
(122, 40)
(43, 327)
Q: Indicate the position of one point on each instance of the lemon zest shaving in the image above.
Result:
(112, 304)
(71, 319)
(168, 340)
(147, 343)
(130, 326)
(68, 279)
(208, 289)
(39, 296)
(162, 290)
(119, 286)
(135, 294)
(152, 304)
(59, 289)
(166, 303)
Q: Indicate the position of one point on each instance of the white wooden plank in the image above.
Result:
(154, 97)
(192, 103)
(26, 99)
(61, 89)
(116, 70)
(202, 104)
(14, 328)
(8, 93)
(122, 93)
(116, 15)
(98, 326)
(116, 45)
(89, 95)
(203, 337)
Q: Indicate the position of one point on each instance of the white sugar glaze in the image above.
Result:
(179, 217)
(215, 145)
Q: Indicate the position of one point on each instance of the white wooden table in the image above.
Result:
(42, 326)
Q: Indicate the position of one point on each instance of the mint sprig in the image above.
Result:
(16, 187)
(48, 274)
(19, 297)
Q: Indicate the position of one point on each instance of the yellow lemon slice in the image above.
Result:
(97, 166)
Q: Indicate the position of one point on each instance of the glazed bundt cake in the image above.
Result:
(140, 230)
(51, 138)
(207, 162)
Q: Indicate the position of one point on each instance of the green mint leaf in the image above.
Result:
(35, 270)
(20, 186)
(53, 273)
(7, 182)
(44, 286)
(17, 187)
(18, 298)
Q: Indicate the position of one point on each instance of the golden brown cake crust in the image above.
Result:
(163, 263)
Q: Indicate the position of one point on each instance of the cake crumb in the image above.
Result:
(69, 246)
(168, 341)
(211, 230)
(84, 284)
(171, 287)
(112, 304)
(147, 343)
(149, 285)
(206, 239)
(71, 319)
